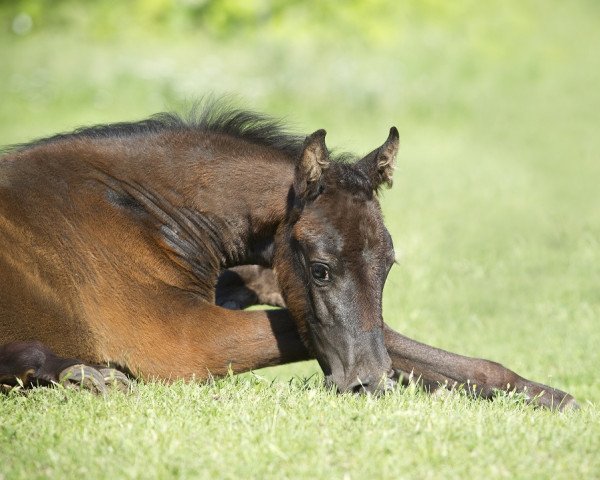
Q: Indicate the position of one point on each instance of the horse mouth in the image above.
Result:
(377, 386)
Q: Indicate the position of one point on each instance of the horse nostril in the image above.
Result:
(359, 388)
(362, 387)
(373, 387)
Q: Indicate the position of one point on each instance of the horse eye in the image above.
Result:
(319, 272)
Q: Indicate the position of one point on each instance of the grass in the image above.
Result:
(292, 430)
(495, 213)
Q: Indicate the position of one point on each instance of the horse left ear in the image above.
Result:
(313, 160)
(379, 164)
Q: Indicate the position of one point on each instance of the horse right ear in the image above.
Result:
(379, 164)
(313, 160)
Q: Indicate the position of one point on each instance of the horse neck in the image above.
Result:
(251, 199)
(215, 203)
(249, 191)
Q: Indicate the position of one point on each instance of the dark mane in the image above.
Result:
(215, 116)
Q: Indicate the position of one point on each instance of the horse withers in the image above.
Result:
(112, 240)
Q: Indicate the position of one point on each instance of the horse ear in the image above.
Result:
(379, 164)
(310, 166)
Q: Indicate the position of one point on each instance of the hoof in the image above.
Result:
(568, 404)
(556, 400)
(83, 376)
(96, 380)
(116, 379)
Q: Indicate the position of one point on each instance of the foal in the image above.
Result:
(112, 239)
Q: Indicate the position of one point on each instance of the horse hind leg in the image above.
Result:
(32, 363)
(247, 285)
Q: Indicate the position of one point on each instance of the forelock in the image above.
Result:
(347, 177)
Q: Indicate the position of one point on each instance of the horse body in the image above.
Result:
(112, 246)
(112, 240)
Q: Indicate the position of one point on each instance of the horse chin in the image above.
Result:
(386, 384)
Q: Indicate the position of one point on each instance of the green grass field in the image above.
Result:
(495, 213)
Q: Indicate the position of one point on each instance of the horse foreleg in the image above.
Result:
(278, 343)
(245, 340)
(438, 368)
(32, 363)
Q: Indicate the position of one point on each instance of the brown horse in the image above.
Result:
(112, 240)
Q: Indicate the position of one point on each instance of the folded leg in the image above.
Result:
(32, 363)
(247, 285)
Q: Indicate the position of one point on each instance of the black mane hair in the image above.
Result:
(212, 116)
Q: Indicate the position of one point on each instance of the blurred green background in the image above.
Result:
(495, 210)
(495, 215)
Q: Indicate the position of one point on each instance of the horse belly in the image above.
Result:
(32, 310)
(38, 299)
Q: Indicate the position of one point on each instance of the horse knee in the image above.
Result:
(21, 360)
(31, 361)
